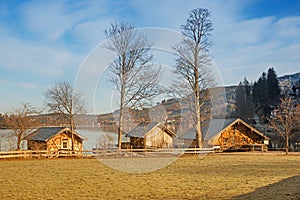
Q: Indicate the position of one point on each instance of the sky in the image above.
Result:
(45, 42)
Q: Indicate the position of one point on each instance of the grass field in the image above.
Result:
(213, 177)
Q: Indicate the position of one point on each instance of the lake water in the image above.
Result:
(6, 142)
(94, 136)
(93, 139)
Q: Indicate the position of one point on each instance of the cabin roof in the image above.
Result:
(45, 133)
(213, 127)
(143, 128)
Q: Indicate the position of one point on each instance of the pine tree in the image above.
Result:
(273, 85)
(266, 92)
(262, 90)
(244, 102)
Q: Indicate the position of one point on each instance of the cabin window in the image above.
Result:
(65, 143)
(232, 139)
(225, 140)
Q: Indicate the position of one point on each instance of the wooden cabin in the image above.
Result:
(151, 135)
(54, 139)
(228, 134)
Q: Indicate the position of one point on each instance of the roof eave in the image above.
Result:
(253, 129)
(68, 129)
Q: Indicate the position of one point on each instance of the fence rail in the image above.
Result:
(103, 153)
(123, 153)
(38, 154)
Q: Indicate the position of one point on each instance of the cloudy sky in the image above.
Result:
(43, 42)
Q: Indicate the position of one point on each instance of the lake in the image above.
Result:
(94, 137)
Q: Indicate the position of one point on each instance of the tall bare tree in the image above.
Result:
(20, 123)
(63, 99)
(283, 121)
(192, 63)
(132, 73)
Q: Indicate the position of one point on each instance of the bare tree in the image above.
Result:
(192, 64)
(132, 74)
(283, 121)
(20, 123)
(63, 99)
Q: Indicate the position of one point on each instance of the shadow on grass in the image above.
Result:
(288, 188)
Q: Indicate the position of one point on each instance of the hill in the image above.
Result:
(293, 78)
(174, 109)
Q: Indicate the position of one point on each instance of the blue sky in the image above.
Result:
(43, 42)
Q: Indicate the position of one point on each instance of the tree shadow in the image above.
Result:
(288, 188)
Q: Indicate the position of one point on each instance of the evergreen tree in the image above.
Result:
(261, 91)
(244, 101)
(255, 95)
(273, 84)
(239, 98)
(266, 92)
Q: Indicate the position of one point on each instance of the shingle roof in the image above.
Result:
(141, 130)
(211, 128)
(45, 133)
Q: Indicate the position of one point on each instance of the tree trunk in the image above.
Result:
(197, 100)
(122, 96)
(18, 143)
(121, 117)
(286, 145)
(72, 131)
(198, 124)
(120, 128)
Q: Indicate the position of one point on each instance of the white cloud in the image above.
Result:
(28, 85)
(53, 19)
(59, 34)
(242, 46)
(3, 82)
(63, 35)
(45, 20)
(249, 47)
(27, 56)
(288, 27)
(172, 14)
(90, 33)
(15, 84)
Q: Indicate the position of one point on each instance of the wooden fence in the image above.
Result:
(39, 154)
(146, 152)
(109, 153)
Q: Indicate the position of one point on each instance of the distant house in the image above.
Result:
(151, 135)
(54, 139)
(227, 134)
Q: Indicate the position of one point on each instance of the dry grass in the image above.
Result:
(214, 177)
